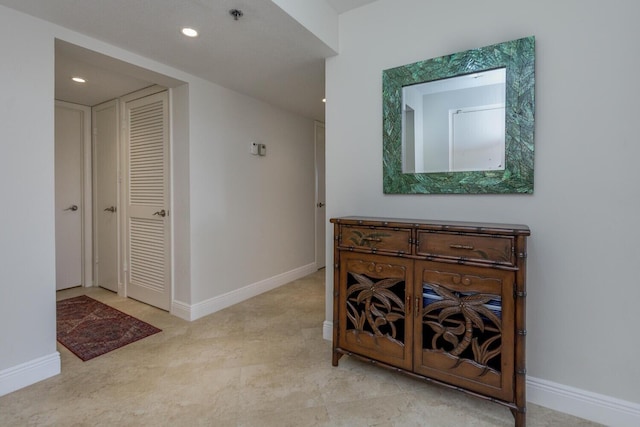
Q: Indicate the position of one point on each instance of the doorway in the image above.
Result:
(113, 83)
(72, 195)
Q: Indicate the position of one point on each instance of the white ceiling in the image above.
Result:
(342, 6)
(265, 54)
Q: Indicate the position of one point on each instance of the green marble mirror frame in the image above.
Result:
(518, 57)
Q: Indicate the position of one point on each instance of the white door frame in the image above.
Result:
(320, 199)
(86, 202)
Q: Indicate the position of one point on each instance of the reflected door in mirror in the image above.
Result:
(455, 124)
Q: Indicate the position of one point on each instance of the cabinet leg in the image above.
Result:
(520, 417)
(336, 356)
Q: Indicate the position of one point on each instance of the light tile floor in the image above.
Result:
(259, 363)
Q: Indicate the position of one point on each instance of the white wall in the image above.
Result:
(252, 217)
(238, 219)
(180, 193)
(583, 253)
(413, 160)
(27, 228)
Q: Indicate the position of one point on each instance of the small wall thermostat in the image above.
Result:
(253, 148)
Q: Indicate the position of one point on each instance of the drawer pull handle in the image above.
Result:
(467, 247)
(372, 239)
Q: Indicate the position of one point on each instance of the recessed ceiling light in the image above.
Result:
(189, 32)
(78, 79)
(324, 100)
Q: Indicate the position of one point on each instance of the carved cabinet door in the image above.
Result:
(459, 326)
(375, 307)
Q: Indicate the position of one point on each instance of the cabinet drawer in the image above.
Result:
(494, 249)
(376, 239)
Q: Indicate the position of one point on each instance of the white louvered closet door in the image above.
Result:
(148, 246)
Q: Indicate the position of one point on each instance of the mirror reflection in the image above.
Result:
(455, 124)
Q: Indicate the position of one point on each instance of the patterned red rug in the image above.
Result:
(89, 328)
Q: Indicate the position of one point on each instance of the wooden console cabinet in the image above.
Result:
(442, 301)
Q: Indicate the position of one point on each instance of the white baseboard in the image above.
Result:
(204, 308)
(28, 373)
(595, 407)
(181, 310)
(327, 330)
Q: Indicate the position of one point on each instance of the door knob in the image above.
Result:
(161, 213)
(72, 208)
(111, 209)
(320, 204)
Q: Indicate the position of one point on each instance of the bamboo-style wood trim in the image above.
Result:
(437, 225)
(431, 257)
(520, 338)
(336, 293)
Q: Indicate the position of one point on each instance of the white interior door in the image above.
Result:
(477, 140)
(70, 130)
(320, 196)
(105, 185)
(147, 195)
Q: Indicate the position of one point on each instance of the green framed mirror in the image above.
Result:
(462, 123)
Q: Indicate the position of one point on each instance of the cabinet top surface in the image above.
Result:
(435, 225)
